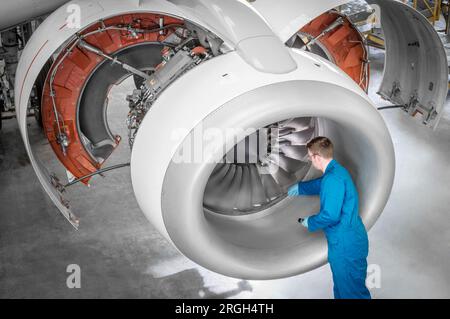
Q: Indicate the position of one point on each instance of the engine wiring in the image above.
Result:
(78, 40)
(390, 107)
(98, 172)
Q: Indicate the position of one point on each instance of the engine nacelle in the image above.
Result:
(264, 243)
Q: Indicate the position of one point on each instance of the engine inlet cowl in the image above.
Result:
(241, 231)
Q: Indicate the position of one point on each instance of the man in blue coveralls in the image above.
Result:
(339, 218)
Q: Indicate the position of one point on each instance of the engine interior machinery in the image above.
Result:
(278, 74)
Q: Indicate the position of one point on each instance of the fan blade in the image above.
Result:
(232, 192)
(298, 152)
(215, 189)
(258, 195)
(282, 177)
(271, 188)
(277, 133)
(301, 137)
(299, 123)
(288, 164)
(219, 173)
(243, 201)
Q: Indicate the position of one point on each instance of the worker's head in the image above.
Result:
(320, 152)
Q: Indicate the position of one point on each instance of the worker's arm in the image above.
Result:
(311, 187)
(332, 199)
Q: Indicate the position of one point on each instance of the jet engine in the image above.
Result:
(227, 95)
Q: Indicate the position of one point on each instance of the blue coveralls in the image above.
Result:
(348, 244)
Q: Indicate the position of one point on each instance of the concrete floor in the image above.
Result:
(122, 256)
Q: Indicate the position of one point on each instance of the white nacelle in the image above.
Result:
(14, 12)
(268, 244)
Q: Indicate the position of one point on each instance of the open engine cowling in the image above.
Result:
(247, 72)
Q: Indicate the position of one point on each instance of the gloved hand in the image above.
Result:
(293, 190)
(304, 222)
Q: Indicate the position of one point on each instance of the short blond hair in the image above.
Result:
(321, 145)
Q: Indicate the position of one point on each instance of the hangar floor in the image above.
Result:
(122, 256)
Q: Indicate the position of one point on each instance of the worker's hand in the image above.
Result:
(303, 221)
(293, 190)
